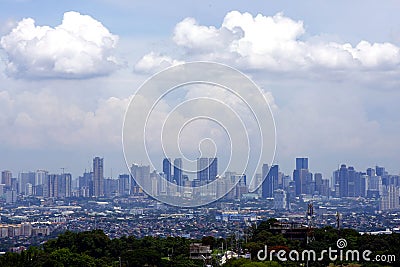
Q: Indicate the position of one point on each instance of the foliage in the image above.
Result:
(96, 249)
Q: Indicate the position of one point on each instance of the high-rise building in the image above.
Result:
(141, 176)
(25, 178)
(364, 180)
(202, 170)
(6, 178)
(280, 200)
(162, 185)
(207, 169)
(178, 177)
(301, 163)
(343, 181)
(167, 169)
(98, 177)
(64, 185)
(50, 188)
(2, 189)
(318, 182)
(375, 187)
(110, 187)
(321, 185)
(351, 183)
(11, 196)
(270, 183)
(86, 184)
(380, 171)
(28, 189)
(371, 172)
(394, 180)
(302, 177)
(357, 184)
(325, 189)
(264, 171)
(124, 184)
(390, 199)
(351, 186)
(40, 177)
(213, 169)
(154, 188)
(241, 186)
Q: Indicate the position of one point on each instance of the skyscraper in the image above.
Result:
(86, 184)
(141, 176)
(110, 187)
(213, 169)
(343, 181)
(6, 178)
(351, 186)
(202, 170)
(50, 188)
(167, 169)
(264, 171)
(302, 177)
(270, 182)
(280, 199)
(124, 184)
(64, 185)
(178, 171)
(98, 177)
(380, 171)
(207, 169)
(301, 163)
(318, 182)
(40, 177)
(25, 178)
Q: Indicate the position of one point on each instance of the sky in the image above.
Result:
(328, 69)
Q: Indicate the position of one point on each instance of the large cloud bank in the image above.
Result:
(79, 47)
(43, 119)
(277, 43)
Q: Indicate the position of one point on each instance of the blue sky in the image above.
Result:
(352, 21)
(333, 102)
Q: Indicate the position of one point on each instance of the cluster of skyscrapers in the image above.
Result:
(39, 183)
(374, 183)
(345, 182)
(174, 181)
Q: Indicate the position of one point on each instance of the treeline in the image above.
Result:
(386, 247)
(94, 248)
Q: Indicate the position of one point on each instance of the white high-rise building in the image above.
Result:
(141, 174)
(280, 200)
(98, 177)
(390, 198)
(40, 177)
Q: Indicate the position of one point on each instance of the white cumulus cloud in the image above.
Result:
(153, 62)
(79, 47)
(277, 43)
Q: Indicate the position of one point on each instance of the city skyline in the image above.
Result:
(113, 174)
(375, 184)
